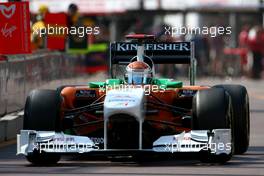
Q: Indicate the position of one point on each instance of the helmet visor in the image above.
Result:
(137, 78)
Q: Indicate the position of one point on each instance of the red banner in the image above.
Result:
(56, 30)
(14, 28)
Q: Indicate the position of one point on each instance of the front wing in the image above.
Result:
(217, 141)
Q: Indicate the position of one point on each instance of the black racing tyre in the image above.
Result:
(212, 109)
(240, 103)
(41, 113)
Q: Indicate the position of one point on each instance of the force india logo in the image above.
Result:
(180, 46)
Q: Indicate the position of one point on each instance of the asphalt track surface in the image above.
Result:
(251, 163)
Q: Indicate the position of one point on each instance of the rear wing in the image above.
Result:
(159, 52)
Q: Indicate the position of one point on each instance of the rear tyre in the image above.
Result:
(212, 109)
(240, 103)
(41, 113)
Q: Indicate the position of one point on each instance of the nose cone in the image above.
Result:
(127, 101)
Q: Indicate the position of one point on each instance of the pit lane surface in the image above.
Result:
(251, 163)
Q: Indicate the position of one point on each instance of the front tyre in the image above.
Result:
(41, 113)
(240, 103)
(212, 109)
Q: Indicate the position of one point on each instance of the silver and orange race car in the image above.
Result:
(134, 112)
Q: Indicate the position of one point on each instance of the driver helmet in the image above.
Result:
(138, 72)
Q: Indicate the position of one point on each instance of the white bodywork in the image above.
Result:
(126, 101)
(53, 142)
(194, 141)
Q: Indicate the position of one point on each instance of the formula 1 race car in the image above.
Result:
(134, 112)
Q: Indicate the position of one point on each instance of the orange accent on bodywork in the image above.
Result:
(68, 94)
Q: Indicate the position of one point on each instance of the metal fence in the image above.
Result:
(20, 74)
